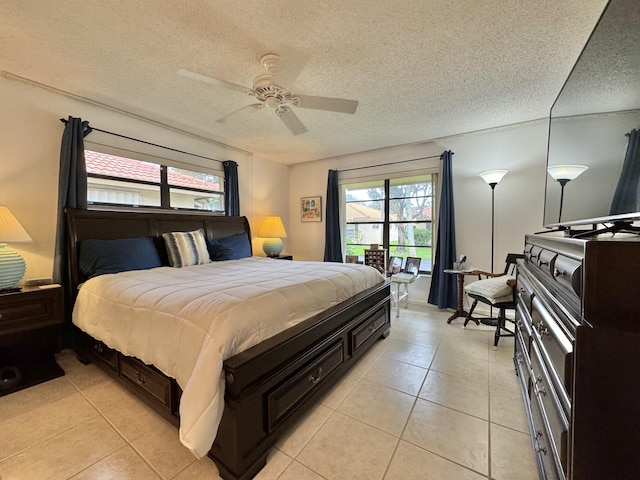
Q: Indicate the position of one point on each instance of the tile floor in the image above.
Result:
(432, 401)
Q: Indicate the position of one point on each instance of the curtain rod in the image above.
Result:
(63, 120)
(390, 163)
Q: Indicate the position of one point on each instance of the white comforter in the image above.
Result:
(187, 321)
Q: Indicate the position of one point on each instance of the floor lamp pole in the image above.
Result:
(493, 230)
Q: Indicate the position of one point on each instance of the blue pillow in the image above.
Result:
(98, 257)
(229, 248)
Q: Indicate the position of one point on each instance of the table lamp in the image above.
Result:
(272, 230)
(12, 264)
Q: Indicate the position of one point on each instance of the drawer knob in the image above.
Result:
(558, 273)
(372, 326)
(315, 378)
(142, 379)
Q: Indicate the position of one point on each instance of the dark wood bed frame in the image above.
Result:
(269, 386)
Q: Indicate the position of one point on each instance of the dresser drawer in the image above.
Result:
(522, 363)
(524, 291)
(373, 326)
(546, 260)
(285, 398)
(552, 412)
(568, 273)
(149, 380)
(556, 347)
(542, 445)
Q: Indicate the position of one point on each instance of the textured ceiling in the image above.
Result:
(420, 69)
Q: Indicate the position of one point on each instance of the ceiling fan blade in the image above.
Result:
(214, 81)
(255, 106)
(291, 120)
(324, 103)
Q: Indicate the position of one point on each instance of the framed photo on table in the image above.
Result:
(311, 209)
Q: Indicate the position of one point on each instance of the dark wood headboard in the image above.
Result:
(109, 225)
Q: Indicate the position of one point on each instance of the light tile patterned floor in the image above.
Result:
(432, 401)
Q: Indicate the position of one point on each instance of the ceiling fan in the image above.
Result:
(274, 96)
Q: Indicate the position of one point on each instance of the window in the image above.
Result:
(114, 180)
(395, 213)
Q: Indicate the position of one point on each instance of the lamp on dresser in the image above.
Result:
(272, 230)
(12, 264)
(493, 177)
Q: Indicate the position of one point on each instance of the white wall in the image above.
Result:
(519, 198)
(30, 136)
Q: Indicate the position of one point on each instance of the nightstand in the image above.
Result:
(283, 257)
(30, 324)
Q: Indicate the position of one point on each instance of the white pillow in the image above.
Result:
(186, 248)
(495, 289)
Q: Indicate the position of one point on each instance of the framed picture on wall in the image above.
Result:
(311, 209)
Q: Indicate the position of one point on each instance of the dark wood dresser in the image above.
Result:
(577, 354)
(30, 323)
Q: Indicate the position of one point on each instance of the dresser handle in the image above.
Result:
(0, 316)
(98, 347)
(538, 433)
(316, 378)
(372, 326)
(558, 273)
(542, 450)
(540, 391)
(141, 378)
(541, 263)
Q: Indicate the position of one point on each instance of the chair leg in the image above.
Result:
(469, 317)
(502, 325)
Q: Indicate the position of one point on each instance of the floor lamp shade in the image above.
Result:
(272, 230)
(12, 264)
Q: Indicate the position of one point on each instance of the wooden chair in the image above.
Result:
(404, 278)
(498, 291)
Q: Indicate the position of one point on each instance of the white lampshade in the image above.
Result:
(493, 176)
(566, 172)
(272, 230)
(12, 264)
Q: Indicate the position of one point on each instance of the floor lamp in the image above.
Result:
(563, 174)
(493, 178)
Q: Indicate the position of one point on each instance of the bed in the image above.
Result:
(269, 380)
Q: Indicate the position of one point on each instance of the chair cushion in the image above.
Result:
(495, 290)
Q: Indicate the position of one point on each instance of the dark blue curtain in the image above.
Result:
(625, 199)
(72, 193)
(333, 240)
(231, 191)
(444, 289)
(72, 188)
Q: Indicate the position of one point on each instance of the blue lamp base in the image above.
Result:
(12, 267)
(272, 247)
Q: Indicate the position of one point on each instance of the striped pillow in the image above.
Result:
(186, 248)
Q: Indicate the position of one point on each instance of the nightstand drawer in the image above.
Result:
(30, 309)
